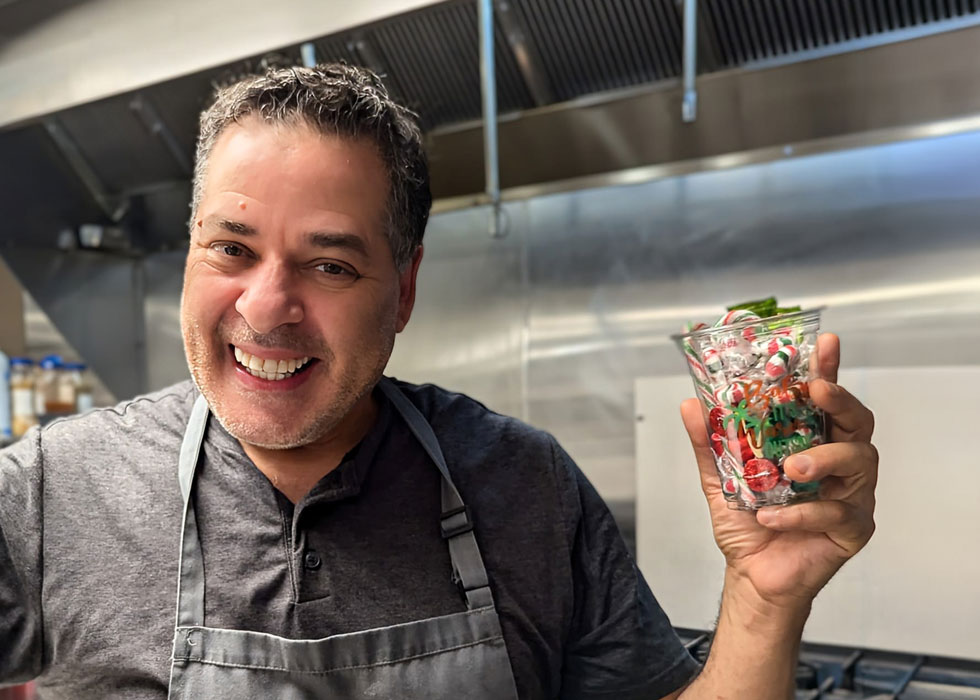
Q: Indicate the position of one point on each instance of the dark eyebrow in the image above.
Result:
(318, 239)
(230, 226)
(332, 239)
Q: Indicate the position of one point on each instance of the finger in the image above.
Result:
(850, 420)
(848, 525)
(698, 433)
(826, 356)
(847, 460)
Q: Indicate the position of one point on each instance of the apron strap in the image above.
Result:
(190, 573)
(456, 524)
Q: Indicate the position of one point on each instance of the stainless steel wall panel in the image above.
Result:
(467, 332)
(165, 361)
(95, 302)
(887, 237)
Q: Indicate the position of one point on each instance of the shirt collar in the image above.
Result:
(343, 482)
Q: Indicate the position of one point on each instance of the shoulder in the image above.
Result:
(462, 423)
(498, 459)
(156, 418)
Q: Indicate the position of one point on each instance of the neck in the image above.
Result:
(296, 471)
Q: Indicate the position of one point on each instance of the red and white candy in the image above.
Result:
(779, 365)
(712, 360)
(737, 316)
(741, 316)
(730, 395)
(773, 345)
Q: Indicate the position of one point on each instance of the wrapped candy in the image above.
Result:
(751, 373)
(712, 360)
(779, 364)
(730, 394)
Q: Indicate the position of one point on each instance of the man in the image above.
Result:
(305, 517)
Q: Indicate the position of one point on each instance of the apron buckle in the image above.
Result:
(455, 522)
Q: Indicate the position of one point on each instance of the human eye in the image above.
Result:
(232, 250)
(228, 256)
(335, 269)
(334, 272)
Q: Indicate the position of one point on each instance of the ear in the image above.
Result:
(406, 291)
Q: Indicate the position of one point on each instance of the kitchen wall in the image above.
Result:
(555, 321)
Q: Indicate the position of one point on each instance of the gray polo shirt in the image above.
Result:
(90, 515)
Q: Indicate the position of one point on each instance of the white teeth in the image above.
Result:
(270, 370)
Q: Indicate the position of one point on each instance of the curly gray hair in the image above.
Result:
(342, 100)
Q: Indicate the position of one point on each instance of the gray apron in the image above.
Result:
(452, 657)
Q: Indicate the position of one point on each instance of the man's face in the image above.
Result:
(290, 271)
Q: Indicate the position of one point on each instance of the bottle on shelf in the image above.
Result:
(50, 387)
(81, 383)
(22, 395)
(66, 389)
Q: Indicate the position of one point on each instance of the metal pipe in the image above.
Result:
(689, 110)
(488, 85)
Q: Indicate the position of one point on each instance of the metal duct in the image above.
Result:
(742, 31)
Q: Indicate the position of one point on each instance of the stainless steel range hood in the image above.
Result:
(56, 54)
(99, 103)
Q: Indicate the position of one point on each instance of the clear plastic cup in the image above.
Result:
(752, 378)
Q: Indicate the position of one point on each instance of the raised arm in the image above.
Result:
(779, 558)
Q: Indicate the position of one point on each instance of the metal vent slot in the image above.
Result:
(432, 58)
(588, 46)
(120, 149)
(742, 31)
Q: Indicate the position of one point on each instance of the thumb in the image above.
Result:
(694, 424)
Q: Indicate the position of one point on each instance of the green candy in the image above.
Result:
(762, 308)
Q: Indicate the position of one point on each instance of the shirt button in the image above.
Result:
(312, 561)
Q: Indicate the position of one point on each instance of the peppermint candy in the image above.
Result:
(711, 358)
(749, 333)
(780, 364)
(731, 395)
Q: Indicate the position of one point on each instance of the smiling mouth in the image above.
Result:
(271, 370)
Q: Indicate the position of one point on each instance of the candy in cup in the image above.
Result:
(752, 377)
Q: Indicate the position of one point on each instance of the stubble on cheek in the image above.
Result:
(341, 382)
(197, 353)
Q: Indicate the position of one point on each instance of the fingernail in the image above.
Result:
(802, 464)
(770, 516)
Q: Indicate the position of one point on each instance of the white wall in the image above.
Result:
(914, 588)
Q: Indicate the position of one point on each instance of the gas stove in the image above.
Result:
(829, 672)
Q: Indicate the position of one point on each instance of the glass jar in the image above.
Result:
(50, 388)
(77, 374)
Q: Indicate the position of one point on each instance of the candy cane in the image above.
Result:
(737, 316)
(750, 333)
(730, 395)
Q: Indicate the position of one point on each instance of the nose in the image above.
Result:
(270, 298)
